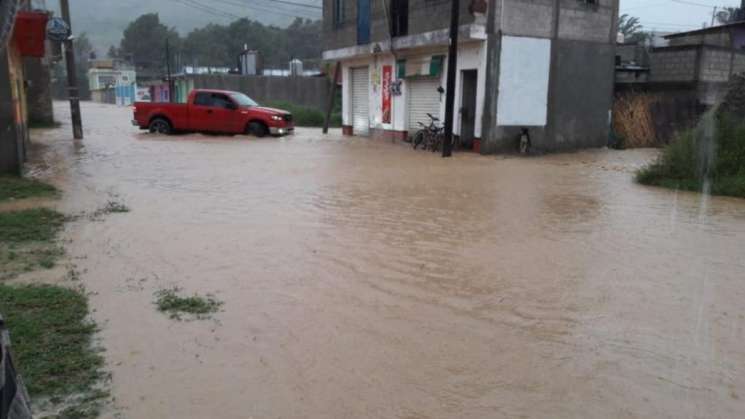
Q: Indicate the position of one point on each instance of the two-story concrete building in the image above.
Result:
(546, 65)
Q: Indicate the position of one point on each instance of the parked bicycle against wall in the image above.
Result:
(430, 137)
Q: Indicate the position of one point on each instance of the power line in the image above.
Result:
(287, 2)
(267, 8)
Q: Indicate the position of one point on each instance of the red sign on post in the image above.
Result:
(387, 78)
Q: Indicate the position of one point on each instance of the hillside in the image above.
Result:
(105, 20)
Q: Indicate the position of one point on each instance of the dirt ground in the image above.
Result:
(362, 279)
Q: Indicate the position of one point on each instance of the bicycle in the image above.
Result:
(430, 136)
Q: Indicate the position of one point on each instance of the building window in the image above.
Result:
(590, 4)
(338, 13)
(399, 17)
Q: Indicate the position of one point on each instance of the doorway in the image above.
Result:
(468, 108)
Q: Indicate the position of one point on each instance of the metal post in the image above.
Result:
(713, 16)
(168, 69)
(447, 146)
(331, 98)
(72, 78)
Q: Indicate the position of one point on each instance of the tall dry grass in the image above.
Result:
(633, 121)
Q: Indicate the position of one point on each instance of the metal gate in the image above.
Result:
(360, 100)
(423, 98)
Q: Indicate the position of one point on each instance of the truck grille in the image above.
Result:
(288, 117)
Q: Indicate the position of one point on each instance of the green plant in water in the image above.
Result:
(169, 301)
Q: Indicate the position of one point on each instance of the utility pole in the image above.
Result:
(447, 146)
(713, 15)
(168, 69)
(72, 78)
(331, 98)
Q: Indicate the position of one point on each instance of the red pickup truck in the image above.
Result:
(217, 111)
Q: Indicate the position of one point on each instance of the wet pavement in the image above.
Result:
(362, 279)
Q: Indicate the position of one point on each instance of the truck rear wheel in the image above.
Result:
(257, 129)
(161, 126)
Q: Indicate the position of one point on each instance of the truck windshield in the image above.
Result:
(243, 100)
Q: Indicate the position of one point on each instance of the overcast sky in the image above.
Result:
(673, 15)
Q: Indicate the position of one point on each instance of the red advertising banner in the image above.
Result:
(387, 78)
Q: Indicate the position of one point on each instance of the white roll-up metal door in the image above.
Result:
(423, 99)
(361, 100)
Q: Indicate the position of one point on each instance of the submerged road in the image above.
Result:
(362, 279)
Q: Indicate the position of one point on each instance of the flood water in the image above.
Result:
(362, 279)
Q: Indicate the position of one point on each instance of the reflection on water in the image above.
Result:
(363, 279)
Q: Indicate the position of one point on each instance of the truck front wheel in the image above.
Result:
(258, 129)
(160, 126)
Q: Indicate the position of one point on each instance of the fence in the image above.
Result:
(310, 92)
(14, 401)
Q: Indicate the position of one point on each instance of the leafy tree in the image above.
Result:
(629, 25)
(113, 52)
(217, 45)
(730, 15)
(83, 52)
(144, 42)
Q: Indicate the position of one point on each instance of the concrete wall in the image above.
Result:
(719, 39)
(583, 54)
(525, 18)
(39, 91)
(306, 91)
(673, 64)
(715, 65)
(738, 64)
(424, 16)
(580, 117)
(584, 22)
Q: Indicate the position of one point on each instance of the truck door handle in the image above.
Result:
(209, 110)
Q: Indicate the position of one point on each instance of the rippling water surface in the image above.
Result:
(362, 279)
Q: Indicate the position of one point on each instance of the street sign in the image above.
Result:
(57, 30)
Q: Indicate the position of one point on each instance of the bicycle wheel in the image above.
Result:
(418, 139)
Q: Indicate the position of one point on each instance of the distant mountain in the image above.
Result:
(105, 20)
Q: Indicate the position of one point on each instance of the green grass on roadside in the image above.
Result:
(27, 241)
(306, 116)
(680, 165)
(169, 301)
(32, 225)
(52, 340)
(15, 187)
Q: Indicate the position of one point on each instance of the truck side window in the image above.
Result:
(203, 99)
(221, 101)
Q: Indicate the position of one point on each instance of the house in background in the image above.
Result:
(699, 63)
(547, 65)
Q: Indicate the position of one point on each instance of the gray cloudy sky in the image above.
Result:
(673, 15)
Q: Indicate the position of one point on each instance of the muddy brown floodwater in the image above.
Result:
(362, 279)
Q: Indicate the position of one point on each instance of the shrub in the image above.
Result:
(305, 116)
(713, 151)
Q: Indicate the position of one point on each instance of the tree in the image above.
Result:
(113, 52)
(629, 25)
(83, 52)
(144, 42)
(730, 14)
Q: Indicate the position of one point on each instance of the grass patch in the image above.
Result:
(305, 116)
(52, 340)
(113, 207)
(32, 225)
(714, 151)
(15, 187)
(169, 301)
(27, 241)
